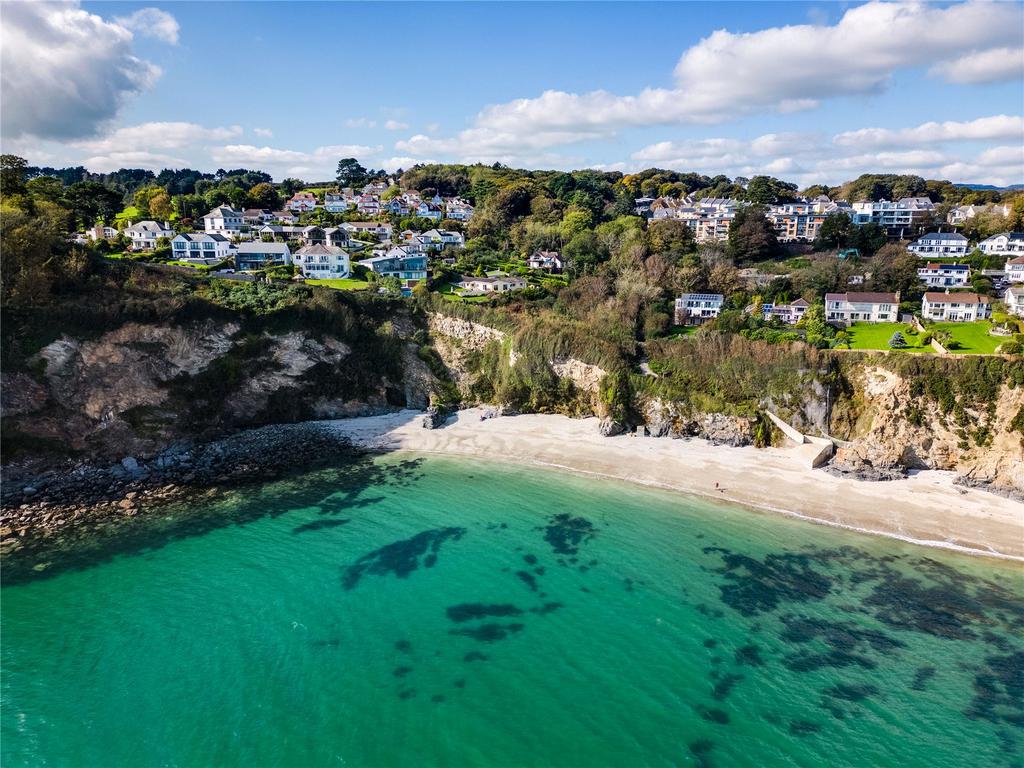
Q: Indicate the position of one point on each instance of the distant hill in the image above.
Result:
(992, 188)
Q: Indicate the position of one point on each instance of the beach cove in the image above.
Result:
(925, 508)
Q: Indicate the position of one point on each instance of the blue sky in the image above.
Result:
(808, 92)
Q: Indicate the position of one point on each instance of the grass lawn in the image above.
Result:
(341, 283)
(974, 338)
(877, 335)
(448, 292)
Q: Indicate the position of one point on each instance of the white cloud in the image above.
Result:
(150, 136)
(996, 127)
(360, 122)
(395, 125)
(806, 159)
(317, 165)
(152, 22)
(983, 66)
(729, 75)
(65, 72)
(265, 133)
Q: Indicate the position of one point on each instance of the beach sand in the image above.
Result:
(925, 508)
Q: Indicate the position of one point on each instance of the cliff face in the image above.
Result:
(135, 389)
(892, 429)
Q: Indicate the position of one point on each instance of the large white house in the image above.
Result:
(1003, 244)
(853, 307)
(224, 220)
(440, 239)
(200, 245)
(955, 307)
(494, 283)
(944, 275)
(549, 261)
(940, 244)
(1014, 299)
(145, 234)
(380, 229)
(897, 218)
(322, 261)
(697, 308)
(1015, 270)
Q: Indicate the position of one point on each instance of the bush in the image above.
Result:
(897, 341)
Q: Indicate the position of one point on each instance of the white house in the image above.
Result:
(322, 261)
(441, 239)
(145, 234)
(257, 255)
(459, 210)
(893, 215)
(963, 213)
(224, 220)
(792, 312)
(200, 245)
(940, 244)
(853, 307)
(944, 275)
(494, 283)
(955, 307)
(301, 201)
(380, 229)
(1015, 270)
(549, 261)
(101, 232)
(1003, 244)
(368, 204)
(256, 217)
(1014, 299)
(337, 202)
(697, 308)
(429, 211)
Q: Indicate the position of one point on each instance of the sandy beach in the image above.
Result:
(925, 508)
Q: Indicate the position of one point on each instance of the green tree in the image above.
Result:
(264, 196)
(12, 175)
(751, 237)
(834, 233)
(350, 173)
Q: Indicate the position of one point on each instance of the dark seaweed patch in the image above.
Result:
(319, 525)
(921, 677)
(528, 579)
(854, 692)
(749, 655)
(847, 644)
(757, 586)
(488, 633)
(725, 685)
(472, 611)
(407, 693)
(401, 558)
(804, 661)
(530, 559)
(459, 683)
(566, 533)
(437, 698)
(701, 751)
(999, 690)
(803, 727)
(403, 646)
(713, 715)
(474, 656)
(710, 643)
(401, 671)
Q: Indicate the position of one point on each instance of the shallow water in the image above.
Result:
(434, 611)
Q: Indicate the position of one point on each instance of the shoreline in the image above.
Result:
(925, 509)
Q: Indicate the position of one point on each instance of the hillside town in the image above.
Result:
(252, 240)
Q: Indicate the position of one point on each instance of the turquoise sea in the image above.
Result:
(409, 611)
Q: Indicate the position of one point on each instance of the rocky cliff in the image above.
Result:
(892, 429)
(135, 389)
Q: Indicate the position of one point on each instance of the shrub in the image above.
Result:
(897, 341)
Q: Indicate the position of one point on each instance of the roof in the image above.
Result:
(702, 296)
(320, 250)
(244, 248)
(957, 267)
(938, 297)
(866, 297)
(1007, 235)
(1016, 260)
(944, 236)
(196, 237)
(147, 226)
(800, 303)
(222, 211)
